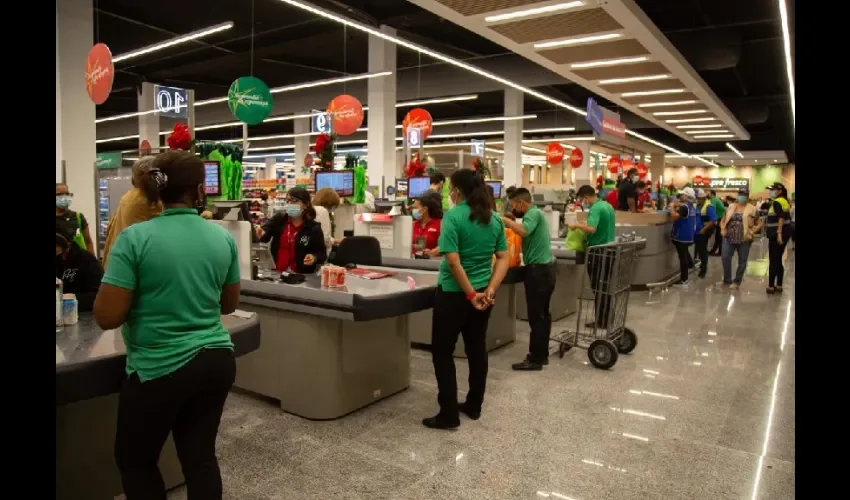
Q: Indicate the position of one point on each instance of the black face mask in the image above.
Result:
(517, 213)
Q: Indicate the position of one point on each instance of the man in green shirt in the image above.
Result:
(600, 231)
(539, 275)
(720, 210)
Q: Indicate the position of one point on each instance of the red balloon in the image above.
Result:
(346, 114)
(614, 164)
(554, 153)
(576, 157)
(642, 170)
(418, 118)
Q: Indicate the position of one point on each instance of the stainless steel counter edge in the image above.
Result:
(514, 275)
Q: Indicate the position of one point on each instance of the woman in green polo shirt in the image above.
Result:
(466, 287)
(168, 281)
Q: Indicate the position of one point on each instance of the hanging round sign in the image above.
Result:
(576, 157)
(100, 72)
(628, 164)
(554, 153)
(642, 170)
(418, 118)
(145, 148)
(346, 114)
(250, 100)
(308, 160)
(614, 164)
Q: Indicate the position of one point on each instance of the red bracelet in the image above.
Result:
(471, 295)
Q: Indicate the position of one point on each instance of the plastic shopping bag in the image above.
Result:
(576, 240)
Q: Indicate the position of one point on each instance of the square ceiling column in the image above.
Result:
(382, 114)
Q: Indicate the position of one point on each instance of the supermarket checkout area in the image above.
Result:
(90, 367)
(569, 267)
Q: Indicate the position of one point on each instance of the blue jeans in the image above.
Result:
(729, 249)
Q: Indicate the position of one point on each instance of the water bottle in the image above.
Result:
(59, 294)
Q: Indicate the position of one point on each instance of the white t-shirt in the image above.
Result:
(323, 217)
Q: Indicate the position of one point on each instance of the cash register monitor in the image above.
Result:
(497, 188)
(212, 178)
(341, 181)
(417, 186)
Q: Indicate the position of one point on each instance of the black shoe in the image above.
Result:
(526, 366)
(440, 422)
(701, 276)
(470, 411)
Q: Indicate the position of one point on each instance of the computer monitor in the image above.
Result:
(341, 181)
(497, 188)
(416, 186)
(212, 178)
(401, 187)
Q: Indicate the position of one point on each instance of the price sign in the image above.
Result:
(477, 147)
(321, 122)
(172, 102)
(414, 137)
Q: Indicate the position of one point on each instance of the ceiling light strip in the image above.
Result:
(735, 150)
(786, 44)
(468, 67)
(678, 113)
(701, 125)
(715, 136)
(652, 92)
(174, 41)
(666, 103)
(519, 14)
(609, 62)
(631, 79)
(691, 120)
(577, 41)
(691, 132)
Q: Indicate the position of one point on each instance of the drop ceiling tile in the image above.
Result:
(595, 51)
(623, 71)
(568, 24)
(475, 7)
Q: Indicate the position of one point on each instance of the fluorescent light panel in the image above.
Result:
(789, 70)
(519, 14)
(647, 78)
(691, 132)
(609, 62)
(735, 150)
(174, 41)
(652, 92)
(701, 125)
(677, 113)
(692, 120)
(667, 103)
(715, 136)
(577, 41)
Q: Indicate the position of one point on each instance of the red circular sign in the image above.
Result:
(346, 114)
(614, 164)
(308, 160)
(554, 153)
(576, 157)
(628, 164)
(698, 180)
(145, 148)
(418, 118)
(642, 170)
(99, 73)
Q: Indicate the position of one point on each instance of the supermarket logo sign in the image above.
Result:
(105, 161)
(727, 183)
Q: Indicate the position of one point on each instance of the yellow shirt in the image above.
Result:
(132, 208)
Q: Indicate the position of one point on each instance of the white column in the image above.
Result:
(582, 173)
(58, 107)
(270, 172)
(656, 168)
(74, 40)
(382, 113)
(512, 162)
(460, 163)
(149, 122)
(302, 144)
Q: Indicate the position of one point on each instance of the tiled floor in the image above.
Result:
(703, 409)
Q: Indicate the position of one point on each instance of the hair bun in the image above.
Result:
(159, 178)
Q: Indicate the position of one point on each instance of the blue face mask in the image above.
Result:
(416, 213)
(585, 205)
(63, 202)
(742, 199)
(772, 195)
(635, 178)
(292, 210)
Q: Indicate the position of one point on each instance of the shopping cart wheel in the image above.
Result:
(602, 354)
(627, 341)
(562, 349)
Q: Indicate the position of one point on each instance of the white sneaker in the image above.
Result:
(733, 286)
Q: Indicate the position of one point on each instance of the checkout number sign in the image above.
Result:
(172, 102)
(321, 122)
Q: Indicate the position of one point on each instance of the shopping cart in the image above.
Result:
(603, 303)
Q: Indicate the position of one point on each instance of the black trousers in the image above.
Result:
(539, 286)
(599, 267)
(188, 403)
(718, 238)
(701, 251)
(454, 315)
(776, 271)
(685, 259)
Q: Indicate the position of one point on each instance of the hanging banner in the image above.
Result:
(604, 121)
(346, 113)
(418, 118)
(576, 157)
(100, 73)
(614, 164)
(110, 160)
(477, 147)
(554, 153)
(642, 170)
(250, 100)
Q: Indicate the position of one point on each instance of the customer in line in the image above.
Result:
(645, 202)
(778, 232)
(438, 185)
(706, 220)
(168, 282)
(133, 207)
(70, 224)
(297, 240)
(738, 226)
(720, 211)
(466, 290)
(627, 194)
(600, 231)
(427, 217)
(539, 276)
(325, 201)
(684, 216)
(79, 271)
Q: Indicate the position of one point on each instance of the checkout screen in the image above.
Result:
(341, 182)
(416, 186)
(212, 178)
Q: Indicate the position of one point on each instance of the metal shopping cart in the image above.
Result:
(603, 303)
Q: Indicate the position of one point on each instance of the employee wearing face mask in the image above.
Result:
(778, 232)
(79, 271)
(72, 225)
(627, 194)
(706, 219)
(427, 219)
(684, 215)
(297, 241)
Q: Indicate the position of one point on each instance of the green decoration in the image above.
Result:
(250, 100)
(231, 176)
(360, 183)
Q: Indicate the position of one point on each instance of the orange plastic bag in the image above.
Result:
(514, 248)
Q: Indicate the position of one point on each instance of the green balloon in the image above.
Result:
(250, 100)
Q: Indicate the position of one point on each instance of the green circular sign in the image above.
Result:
(250, 100)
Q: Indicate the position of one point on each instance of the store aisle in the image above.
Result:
(704, 409)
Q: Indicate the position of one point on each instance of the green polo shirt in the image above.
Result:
(474, 242)
(176, 264)
(536, 245)
(601, 217)
(719, 208)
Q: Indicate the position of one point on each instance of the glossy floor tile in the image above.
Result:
(703, 409)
